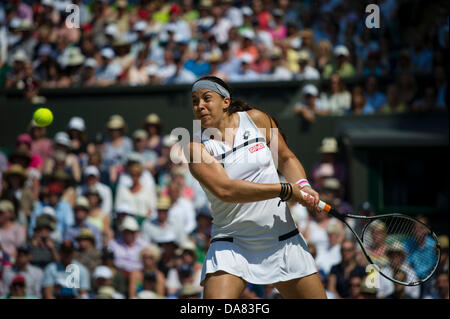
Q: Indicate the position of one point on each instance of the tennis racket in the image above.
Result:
(401, 248)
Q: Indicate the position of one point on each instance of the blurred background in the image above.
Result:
(364, 109)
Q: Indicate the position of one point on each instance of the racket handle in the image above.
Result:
(322, 205)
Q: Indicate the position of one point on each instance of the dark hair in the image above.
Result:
(238, 105)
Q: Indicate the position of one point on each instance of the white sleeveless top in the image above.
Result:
(254, 225)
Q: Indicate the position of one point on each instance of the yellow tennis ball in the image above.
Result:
(43, 116)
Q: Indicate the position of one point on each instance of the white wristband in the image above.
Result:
(303, 183)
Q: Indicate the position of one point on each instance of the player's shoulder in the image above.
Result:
(260, 118)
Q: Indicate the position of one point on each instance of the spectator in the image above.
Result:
(23, 143)
(443, 263)
(109, 70)
(18, 289)
(150, 278)
(400, 291)
(340, 274)
(57, 283)
(311, 105)
(40, 145)
(153, 127)
(92, 179)
(116, 147)
(396, 254)
(196, 62)
(323, 55)
(373, 96)
(87, 254)
(14, 188)
(137, 73)
(63, 158)
(138, 195)
(76, 129)
(119, 282)
(126, 249)
(245, 73)
(63, 210)
(42, 247)
(182, 210)
(360, 105)
(332, 255)
(154, 230)
(103, 278)
(81, 211)
(338, 101)
(306, 71)
(378, 248)
(189, 291)
(202, 233)
(341, 66)
(421, 246)
(88, 73)
(278, 70)
(441, 287)
(188, 270)
(97, 216)
(355, 287)
(393, 104)
(181, 74)
(441, 84)
(33, 275)
(31, 179)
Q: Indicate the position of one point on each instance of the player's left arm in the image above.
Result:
(288, 164)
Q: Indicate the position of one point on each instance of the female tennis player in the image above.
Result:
(254, 238)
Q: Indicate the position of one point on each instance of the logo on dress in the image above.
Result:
(256, 148)
(246, 134)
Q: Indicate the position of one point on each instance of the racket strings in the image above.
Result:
(403, 249)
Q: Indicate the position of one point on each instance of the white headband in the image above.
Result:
(210, 85)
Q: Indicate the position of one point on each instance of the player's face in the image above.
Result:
(208, 107)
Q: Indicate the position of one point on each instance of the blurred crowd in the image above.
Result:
(143, 42)
(121, 217)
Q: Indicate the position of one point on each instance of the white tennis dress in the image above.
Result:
(256, 252)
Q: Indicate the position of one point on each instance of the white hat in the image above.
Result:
(20, 56)
(147, 294)
(249, 34)
(296, 43)
(166, 237)
(247, 11)
(107, 53)
(332, 183)
(47, 3)
(246, 58)
(329, 145)
(129, 223)
(135, 157)
(90, 63)
(152, 69)
(141, 25)
(112, 29)
(310, 89)
(124, 207)
(91, 170)
(341, 50)
(63, 139)
(48, 210)
(76, 123)
(15, 23)
(102, 272)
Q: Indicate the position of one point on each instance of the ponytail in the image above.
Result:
(238, 106)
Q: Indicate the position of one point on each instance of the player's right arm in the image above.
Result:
(211, 174)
